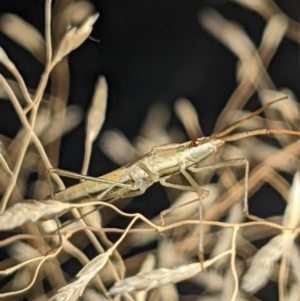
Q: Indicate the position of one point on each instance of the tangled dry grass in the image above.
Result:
(39, 235)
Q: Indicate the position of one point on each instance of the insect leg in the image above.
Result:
(231, 163)
(74, 175)
(164, 182)
(202, 193)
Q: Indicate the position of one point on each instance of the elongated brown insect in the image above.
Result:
(164, 161)
(161, 163)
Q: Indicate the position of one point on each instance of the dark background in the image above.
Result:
(150, 51)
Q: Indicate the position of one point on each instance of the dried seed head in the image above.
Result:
(23, 212)
(74, 290)
(148, 280)
(96, 114)
(74, 37)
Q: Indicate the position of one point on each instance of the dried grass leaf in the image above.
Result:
(262, 263)
(24, 34)
(4, 59)
(168, 293)
(72, 117)
(291, 218)
(189, 117)
(22, 278)
(265, 7)
(22, 252)
(289, 110)
(293, 293)
(96, 113)
(229, 33)
(154, 133)
(92, 295)
(166, 246)
(91, 216)
(152, 130)
(80, 10)
(294, 262)
(275, 31)
(212, 280)
(117, 147)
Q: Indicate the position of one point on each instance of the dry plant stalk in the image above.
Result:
(47, 244)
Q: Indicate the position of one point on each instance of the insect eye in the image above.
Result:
(194, 143)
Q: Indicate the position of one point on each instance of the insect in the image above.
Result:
(161, 163)
(164, 161)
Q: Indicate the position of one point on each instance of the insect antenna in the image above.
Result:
(264, 131)
(228, 130)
